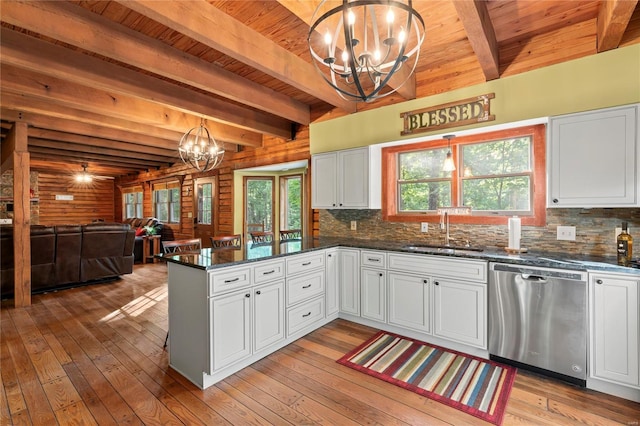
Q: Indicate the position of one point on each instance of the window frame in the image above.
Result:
(283, 195)
(169, 187)
(390, 184)
(139, 201)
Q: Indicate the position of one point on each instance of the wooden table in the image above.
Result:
(150, 247)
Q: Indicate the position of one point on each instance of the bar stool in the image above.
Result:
(290, 234)
(227, 241)
(262, 237)
(193, 245)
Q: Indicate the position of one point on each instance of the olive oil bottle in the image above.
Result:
(624, 246)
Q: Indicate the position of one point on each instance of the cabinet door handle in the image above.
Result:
(380, 274)
(306, 264)
(598, 281)
(247, 295)
(258, 292)
(306, 315)
(329, 255)
(269, 272)
(231, 281)
(436, 283)
(425, 281)
(306, 286)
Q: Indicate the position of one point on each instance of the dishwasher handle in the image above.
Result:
(544, 273)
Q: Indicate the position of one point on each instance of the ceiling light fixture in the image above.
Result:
(449, 165)
(198, 149)
(360, 45)
(84, 176)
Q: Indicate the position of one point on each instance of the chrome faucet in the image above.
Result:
(444, 225)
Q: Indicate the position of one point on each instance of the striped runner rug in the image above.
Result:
(473, 385)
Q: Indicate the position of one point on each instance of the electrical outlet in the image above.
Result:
(424, 227)
(567, 233)
(354, 225)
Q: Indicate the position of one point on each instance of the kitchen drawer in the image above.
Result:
(307, 262)
(471, 270)
(304, 315)
(376, 259)
(304, 287)
(227, 279)
(268, 271)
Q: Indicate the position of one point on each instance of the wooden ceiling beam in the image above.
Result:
(108, 159)
(613, 19)
(195, 19)
(477, 24)
(82, 140)
(59, 117)
(21, 81)
(72, 24)
(27, 52)
(46, 164)
(304, 10)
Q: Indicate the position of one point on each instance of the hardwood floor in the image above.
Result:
(93, 355)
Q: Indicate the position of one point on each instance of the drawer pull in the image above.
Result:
(258, 292)
(231, 281)
(598, 281)
(269, 272)
(306, 315)
(247, 295)
(306, 286)
(370, 259)
(306, 264)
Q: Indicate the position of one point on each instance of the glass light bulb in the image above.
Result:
(327, 38)
(377, 55)
(401, 36)
(345, 56)
(390, 16)
(351, 18)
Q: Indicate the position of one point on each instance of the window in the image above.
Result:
(291, 202)
(166, 202)
(258, 197)
(132, 202)
(497, 174)
(205, 203)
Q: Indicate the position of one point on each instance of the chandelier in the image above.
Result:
(198, 149)
(359, 45)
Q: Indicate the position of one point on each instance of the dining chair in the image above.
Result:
(227, 241)
(193, 245)
(290, 234)
(262, 237)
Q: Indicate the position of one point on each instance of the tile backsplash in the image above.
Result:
(595, 230)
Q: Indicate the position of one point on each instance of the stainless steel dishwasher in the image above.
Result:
(538, 320)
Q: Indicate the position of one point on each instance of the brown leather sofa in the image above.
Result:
(137, 223)
(68, 255)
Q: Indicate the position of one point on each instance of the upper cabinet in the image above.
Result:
(593, 159)
(348, 179)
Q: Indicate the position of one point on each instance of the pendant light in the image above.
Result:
(198, 149)
(449, 165)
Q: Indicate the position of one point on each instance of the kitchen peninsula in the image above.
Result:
(231, 307)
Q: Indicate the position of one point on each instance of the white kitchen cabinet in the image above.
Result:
(349, 282)
(268, 318)
(614, 301)
(459, 309)
(348, 179)
(593, 159)
(410, 301)
(230, 328)
(373, 294)
(332, 280)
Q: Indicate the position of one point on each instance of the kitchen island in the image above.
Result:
(230, 307)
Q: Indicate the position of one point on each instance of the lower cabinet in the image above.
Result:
(459, 311)
(410, 301)
(230, 317)
(373, 294)
(614, 328)
(332, 295)
(268, 318)
(349, 283)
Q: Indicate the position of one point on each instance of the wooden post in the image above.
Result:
(16, 156)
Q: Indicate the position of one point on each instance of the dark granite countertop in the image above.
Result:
(214, 258)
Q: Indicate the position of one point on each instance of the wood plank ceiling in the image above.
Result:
(114, 84)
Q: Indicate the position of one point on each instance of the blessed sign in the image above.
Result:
(459, 113)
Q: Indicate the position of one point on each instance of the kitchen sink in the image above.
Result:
(429, 248)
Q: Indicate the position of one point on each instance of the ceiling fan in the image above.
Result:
(86, 177)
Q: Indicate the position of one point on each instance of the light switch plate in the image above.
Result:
(567, 233)
(354, 225)
(424, 227)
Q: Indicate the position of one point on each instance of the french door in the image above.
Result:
(258, 202)
(204, 199)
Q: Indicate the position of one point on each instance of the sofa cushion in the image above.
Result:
(140, 232)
